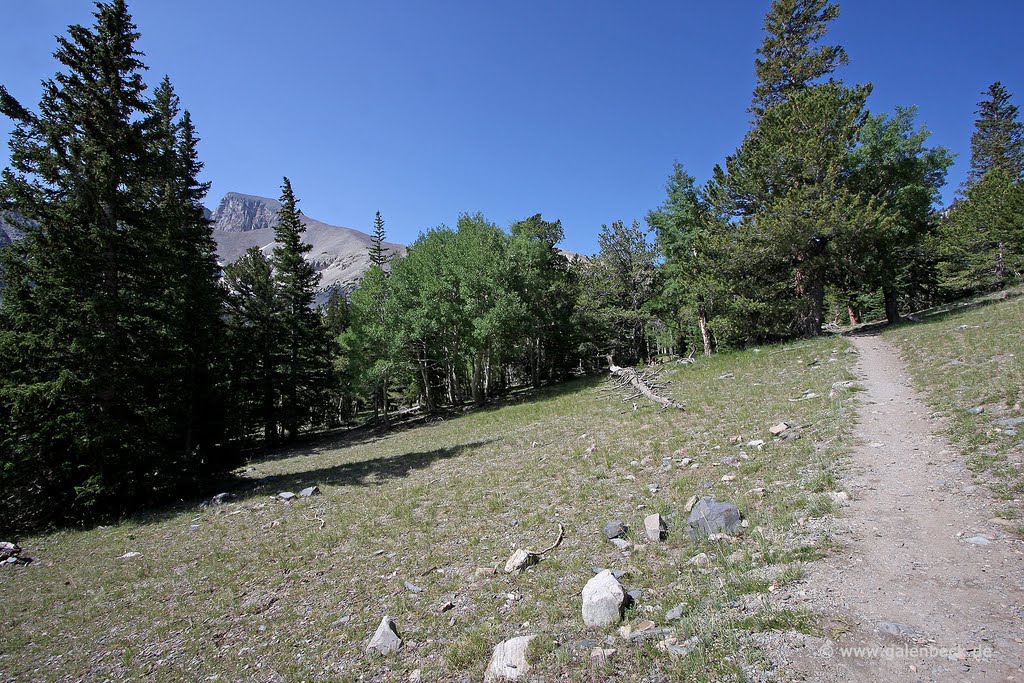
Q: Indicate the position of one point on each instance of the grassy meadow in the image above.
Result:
(262, 590)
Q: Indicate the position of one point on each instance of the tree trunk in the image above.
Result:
(855, 318)
(892, 312)
(810, 286)
(477, 382)
(705, 333)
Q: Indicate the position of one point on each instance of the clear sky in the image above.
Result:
(576, 109)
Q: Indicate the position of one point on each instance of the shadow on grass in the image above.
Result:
(939, 313)
(373, 432)
(373, 472)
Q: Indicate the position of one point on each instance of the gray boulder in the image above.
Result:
(615, 529)
(310, 491)
(603, 600)
(710, 516)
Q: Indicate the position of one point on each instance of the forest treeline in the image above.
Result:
(133, 365)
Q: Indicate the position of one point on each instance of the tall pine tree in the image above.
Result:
(378, 252)
(304, 361)
(998, 138)
(94, 419)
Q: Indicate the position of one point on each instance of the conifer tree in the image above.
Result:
(998, 138)
(304, 365)
(787, 181)
(378, 252)
(686, 234)
(94, 420)
(254, 333)
(791, 57)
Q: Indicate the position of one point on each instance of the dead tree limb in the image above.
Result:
(641, 382)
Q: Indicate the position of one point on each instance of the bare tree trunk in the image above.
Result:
(855, 318)
(477, 382)
(705, 333)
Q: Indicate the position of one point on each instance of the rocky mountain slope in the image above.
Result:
(340, 254)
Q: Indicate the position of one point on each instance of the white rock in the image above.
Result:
(621, 543)
(508, 663)
(603, 599)
(519, 561)
(655, 527)
(385, 639)
(701, 560)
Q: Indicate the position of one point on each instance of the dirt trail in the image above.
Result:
(926, 574)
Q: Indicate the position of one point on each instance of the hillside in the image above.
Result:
(340, 254)
(263, 588)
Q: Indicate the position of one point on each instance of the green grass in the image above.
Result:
(973, 356)
(262, 590)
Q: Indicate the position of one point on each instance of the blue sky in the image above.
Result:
(574, 109)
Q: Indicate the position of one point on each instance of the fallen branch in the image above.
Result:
(523, 558)
(558, 541)
(641, 382)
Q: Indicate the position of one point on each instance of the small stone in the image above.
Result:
(898, 630)
(690, 503)
(286, 495)
(617, 573)
(976, 410)
(615, 529)
(756, 443)
(508, 662)
(485, 571)
(129, 555)
(412, 587)
(701, 560)
(779, 428)
(655, 527)
(729, 477)
(519, 561)
(841, 386)
(602, 654)
(603, 600)
(1010, 421)
(447, 606)
(634, 596)
(979, 540)
(839, 497)
(790, 434)
(222, 498)
(653, 488)
(310, 491)
(385, 639)
(674, 614)
(416, 676)
(621, 543)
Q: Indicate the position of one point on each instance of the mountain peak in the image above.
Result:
(239, 212)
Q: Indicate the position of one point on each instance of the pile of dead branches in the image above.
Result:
(640, 383)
